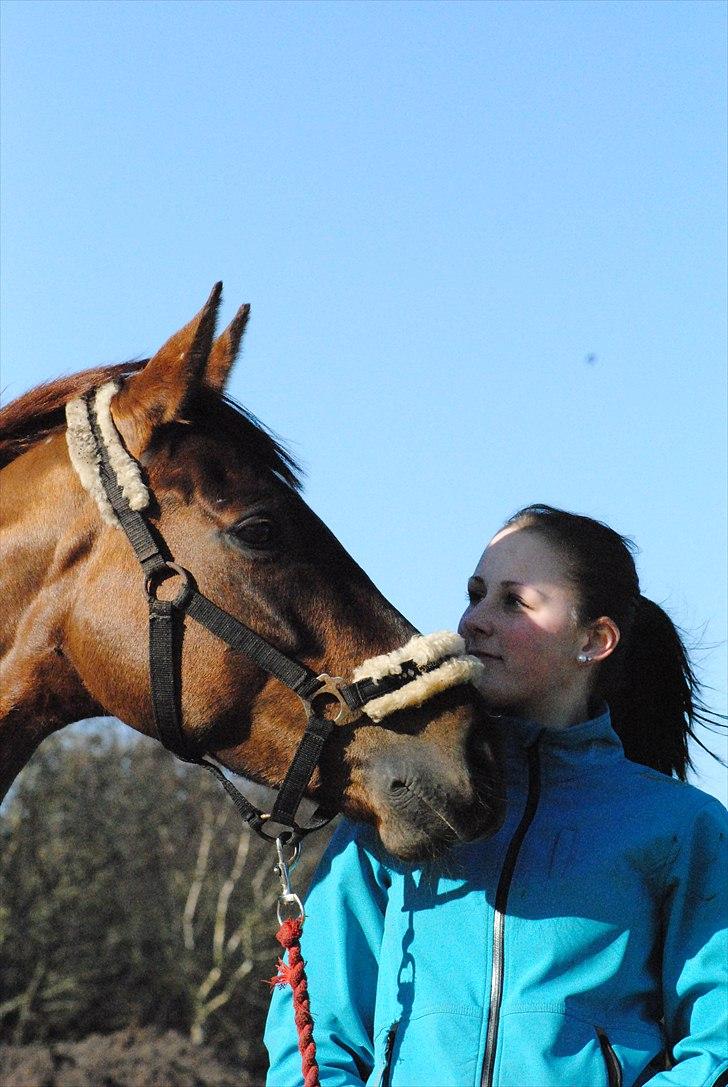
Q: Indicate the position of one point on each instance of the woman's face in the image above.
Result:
(521, 622)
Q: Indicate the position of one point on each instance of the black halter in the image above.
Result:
(164, 615)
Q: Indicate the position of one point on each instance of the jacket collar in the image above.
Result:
(565, 750)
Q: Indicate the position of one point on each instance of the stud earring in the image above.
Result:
(583, 659)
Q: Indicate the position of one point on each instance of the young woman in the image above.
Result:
(584, 944)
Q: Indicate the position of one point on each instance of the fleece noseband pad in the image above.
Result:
(441, 662)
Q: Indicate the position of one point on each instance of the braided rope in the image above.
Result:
(293, 973)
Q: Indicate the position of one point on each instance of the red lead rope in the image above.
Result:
(293, 973)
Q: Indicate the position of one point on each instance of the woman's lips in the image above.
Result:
(483, 656)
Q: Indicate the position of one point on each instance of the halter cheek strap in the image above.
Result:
(380, 686)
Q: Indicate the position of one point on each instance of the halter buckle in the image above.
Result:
(330, 687)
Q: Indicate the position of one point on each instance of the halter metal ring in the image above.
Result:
(290, 837)
(170, 569)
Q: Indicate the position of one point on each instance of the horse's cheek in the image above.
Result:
(106, 643)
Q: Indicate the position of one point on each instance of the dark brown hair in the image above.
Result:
(648, 681)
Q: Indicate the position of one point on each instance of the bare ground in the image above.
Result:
(142, 1057)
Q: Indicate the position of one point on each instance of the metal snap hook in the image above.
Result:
(286, 866)
(289, 906)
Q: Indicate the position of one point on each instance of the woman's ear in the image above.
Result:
(600, 640)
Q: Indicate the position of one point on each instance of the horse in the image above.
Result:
(225, 498)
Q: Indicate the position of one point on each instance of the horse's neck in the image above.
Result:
(18, 740)
(39, 532)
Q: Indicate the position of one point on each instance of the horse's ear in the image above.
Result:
(225, 349)
(159, 393)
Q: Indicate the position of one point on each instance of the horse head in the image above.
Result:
(224, 498)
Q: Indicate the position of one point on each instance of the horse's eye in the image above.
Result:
(259, 533)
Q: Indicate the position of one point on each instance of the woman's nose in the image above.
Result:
(476, 620)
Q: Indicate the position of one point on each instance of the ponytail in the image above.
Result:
(652, 693)
(648, 681)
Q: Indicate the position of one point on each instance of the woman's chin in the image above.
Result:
(499, 705)
(495, 701)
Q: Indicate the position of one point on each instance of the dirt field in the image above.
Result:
(129, 1058)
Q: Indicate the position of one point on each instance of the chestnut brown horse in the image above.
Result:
(225, 499)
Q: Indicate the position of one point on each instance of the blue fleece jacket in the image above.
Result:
(583, 945)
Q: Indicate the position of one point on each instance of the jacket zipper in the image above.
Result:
(499, 915)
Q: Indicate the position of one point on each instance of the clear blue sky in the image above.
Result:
(439, 212)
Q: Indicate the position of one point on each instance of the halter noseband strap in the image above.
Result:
(423, 666)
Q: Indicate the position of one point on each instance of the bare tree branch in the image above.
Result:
(193, 895)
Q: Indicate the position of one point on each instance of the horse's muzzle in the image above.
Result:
(421, 812)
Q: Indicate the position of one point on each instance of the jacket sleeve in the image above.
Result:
(341, 940)
(695, 955)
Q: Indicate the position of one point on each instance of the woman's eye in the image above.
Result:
(475, 592)
(514, 601)
(259, 533)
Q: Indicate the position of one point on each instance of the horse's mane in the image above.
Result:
(41, 412)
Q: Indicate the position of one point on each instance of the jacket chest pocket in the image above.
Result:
(614, 1068)
(615, 1076)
